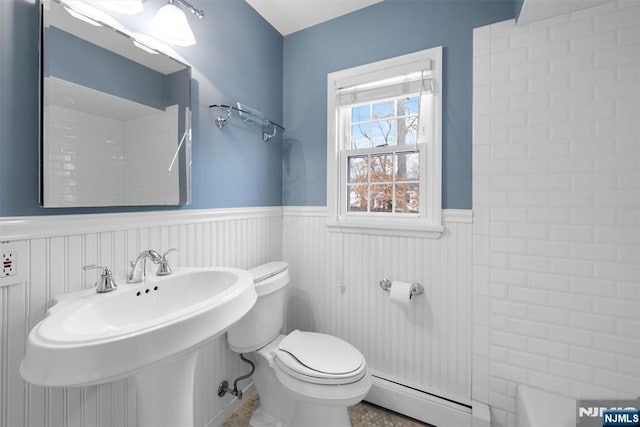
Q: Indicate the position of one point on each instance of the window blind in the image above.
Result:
(414, 83)
(388, 82)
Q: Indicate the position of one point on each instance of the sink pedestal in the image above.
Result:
(165, 392)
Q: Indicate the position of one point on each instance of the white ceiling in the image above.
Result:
(289, 16)
(536, 10)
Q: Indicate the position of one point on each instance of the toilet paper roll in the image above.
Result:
(400, 293)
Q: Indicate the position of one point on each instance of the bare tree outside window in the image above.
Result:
(384, 182)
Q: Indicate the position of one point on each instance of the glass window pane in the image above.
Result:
(383, 110)
(408, 167)
(357, 169)
(361, 135)
(357, 198)
(383, 132)
(407, 198)
(361, 113)
(408, 106)
(381, 168)
(408, 130)
(381, 198)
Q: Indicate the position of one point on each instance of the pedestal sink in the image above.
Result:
(149, 330)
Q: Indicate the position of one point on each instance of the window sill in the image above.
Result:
(382, 228)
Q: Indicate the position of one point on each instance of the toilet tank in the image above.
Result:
(262, 324)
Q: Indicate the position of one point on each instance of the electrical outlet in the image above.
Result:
(8, 266)
(13, 262)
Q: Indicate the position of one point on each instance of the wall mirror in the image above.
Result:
(115, 126)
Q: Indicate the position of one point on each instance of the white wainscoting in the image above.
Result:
(57, 248)
(428, 346)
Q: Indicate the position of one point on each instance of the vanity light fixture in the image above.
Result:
(171, 25)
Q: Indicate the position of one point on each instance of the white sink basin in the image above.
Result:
(90, 338)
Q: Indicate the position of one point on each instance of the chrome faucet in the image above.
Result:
(139, 266)
(105, 283)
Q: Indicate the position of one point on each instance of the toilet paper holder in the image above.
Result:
(416, 288)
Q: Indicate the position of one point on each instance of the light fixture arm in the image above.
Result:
(199, 13)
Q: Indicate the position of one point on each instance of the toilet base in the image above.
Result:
(261, 419)
(314, 415)
(305, 415)
(276, 407)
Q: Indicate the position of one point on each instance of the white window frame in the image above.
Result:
(428, 223)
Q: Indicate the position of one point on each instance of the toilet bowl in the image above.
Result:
(304, 379)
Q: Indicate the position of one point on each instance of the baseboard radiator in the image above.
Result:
(426, 407)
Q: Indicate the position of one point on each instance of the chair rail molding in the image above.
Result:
(29, 227)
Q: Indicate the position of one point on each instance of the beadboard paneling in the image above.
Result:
(428, 345)
(58, 247)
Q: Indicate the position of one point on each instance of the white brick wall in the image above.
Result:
(557, 200)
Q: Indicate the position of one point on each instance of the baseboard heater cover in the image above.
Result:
(427, 407)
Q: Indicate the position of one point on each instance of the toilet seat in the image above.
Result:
(319, 359)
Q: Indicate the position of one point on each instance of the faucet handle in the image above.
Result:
(164, 268)
(164, 254)
(106, 283)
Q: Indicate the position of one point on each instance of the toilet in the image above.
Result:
(304, 379)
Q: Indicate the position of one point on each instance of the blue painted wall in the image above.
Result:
(385, 30)
(238, 57)
(241, 57)
(518, 7)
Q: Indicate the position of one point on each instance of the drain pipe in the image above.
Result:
(223, 388)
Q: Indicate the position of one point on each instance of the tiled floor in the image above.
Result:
(361, 415)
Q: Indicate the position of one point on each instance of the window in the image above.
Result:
(384, 146)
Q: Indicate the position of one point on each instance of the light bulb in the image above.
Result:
(170, 25)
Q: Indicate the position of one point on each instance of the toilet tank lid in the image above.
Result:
(264, 271)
